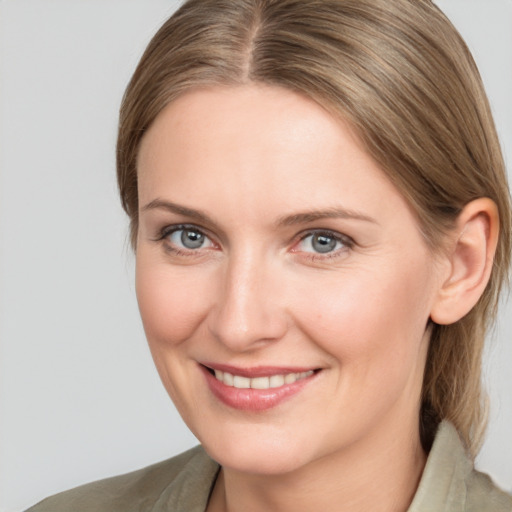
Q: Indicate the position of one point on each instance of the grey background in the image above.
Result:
(79, 397)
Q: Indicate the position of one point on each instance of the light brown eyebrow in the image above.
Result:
(178, 209)
(328, 213)
(286, 220)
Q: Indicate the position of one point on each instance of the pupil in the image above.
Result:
(192, 239)
(323, 243)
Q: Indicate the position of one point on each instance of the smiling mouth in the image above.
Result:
(256, 389)
(270, 382)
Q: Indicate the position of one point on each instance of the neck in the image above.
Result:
(380, 473)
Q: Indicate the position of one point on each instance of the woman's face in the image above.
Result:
(273, 252)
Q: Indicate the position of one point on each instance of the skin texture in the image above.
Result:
(257, 293)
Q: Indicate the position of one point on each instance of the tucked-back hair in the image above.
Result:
(401, 75)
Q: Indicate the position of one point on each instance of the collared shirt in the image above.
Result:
(183, 484)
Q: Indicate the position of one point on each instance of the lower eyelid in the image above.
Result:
(173, 250)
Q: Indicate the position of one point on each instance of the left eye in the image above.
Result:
(321, 243)
(189, 238)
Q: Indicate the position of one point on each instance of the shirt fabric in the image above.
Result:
(183, 484)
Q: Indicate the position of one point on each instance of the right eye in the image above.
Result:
(187, 237)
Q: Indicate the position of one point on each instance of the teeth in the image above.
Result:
(228, 379)
(274, 381)
(241, 382)
(290, 378)
(260, 383)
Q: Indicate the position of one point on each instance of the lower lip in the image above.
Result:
(253, 399)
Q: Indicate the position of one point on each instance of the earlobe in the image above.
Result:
(470, 258)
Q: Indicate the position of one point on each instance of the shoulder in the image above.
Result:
(450, 482)
(141, 490)
(482, 495)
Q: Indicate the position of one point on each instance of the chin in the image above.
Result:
(267, 456)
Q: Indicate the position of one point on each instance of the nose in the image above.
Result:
(248, 314)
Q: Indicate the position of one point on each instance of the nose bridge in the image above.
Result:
(247, 312)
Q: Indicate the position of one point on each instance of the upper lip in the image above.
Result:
(257, 371)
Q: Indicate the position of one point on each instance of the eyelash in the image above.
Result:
(167, 231)
(347, 242)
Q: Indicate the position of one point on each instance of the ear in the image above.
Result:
(470, 258)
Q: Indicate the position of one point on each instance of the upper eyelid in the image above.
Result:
(171, 228)
(335, 234)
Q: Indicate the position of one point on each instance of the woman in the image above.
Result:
(321, 221)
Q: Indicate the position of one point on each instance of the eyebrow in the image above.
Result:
(287, 220)
(328, 213)
(176, 208)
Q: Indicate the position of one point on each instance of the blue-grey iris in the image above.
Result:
(323, 243)
(192, 239)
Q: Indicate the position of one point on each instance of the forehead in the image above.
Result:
(275, 117)
(259, 143)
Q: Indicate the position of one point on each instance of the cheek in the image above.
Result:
(172, 303)
(368, 317)
(372, 327)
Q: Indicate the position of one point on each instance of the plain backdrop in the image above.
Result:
(79, 397)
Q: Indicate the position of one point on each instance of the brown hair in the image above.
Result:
(400, 73)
